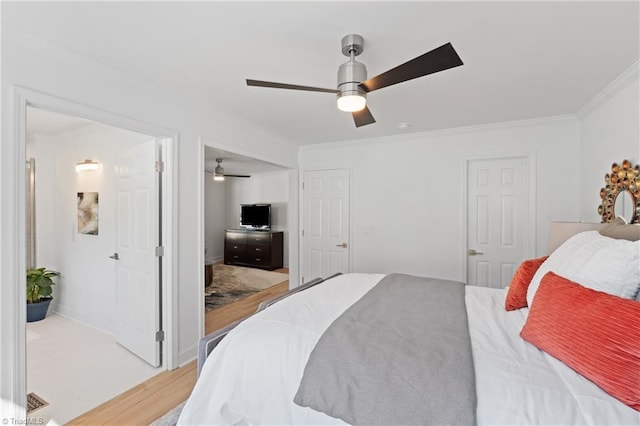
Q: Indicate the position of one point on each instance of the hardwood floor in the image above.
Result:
(153, 398)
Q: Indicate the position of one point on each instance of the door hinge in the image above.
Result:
(160, 336)
(160, 251)
(302, 185)
(303, 232)
(302, 280)
(159, 166)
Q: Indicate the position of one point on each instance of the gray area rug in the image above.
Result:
(231, 283)
(171, 418)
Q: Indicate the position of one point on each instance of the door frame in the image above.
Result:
(12, 307)
(350, 214)
(531, 219)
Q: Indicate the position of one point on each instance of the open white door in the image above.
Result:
(325, 223)
(496, 220)
(138, 286)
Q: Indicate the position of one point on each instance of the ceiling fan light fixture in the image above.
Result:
(351, 97)
(351, 102)
(218, 172)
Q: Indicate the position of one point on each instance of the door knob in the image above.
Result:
(343, 245)
(472, 252)
(114, 256)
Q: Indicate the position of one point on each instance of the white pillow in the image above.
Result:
(594, 261)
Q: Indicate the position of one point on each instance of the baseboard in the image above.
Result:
(215, 259)
(188, 355)
(80, 317)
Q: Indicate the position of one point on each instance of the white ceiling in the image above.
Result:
(236, 163)
(522, 59)
(51, 123)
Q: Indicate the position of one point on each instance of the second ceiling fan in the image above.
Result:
(219, 174)
(353, 85)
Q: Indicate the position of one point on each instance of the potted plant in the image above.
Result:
(39, 283)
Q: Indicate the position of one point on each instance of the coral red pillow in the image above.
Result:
(594, 333)
(517, 294)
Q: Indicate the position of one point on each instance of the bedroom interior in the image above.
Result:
(553, 99)
(237, 267)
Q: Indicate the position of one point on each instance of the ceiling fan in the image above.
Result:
(219, 174)
(353, 85)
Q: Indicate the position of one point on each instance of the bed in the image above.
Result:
(263, 363)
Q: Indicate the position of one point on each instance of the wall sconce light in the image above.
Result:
(87, 165)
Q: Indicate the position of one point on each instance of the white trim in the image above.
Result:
(434, 133)
(12, 304)
(294, 228)
(170, 258)
(622, 81)
(201, 244)
(350, 246)
(300, 224)
(188, 354)
(531, 219)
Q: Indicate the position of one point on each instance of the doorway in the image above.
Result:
(230, 180)
(500, 219)
(87, 302)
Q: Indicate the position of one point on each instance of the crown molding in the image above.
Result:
(441, 132)
(622, 81)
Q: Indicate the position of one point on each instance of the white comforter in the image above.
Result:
(254, 373)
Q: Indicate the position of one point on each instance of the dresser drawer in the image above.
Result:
(259, 239)
(259, 250)
(236, 237)
(258, 260)
(231, 258)
(234, 247)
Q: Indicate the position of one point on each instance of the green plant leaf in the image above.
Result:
(39, 282)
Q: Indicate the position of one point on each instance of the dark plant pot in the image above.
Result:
(37, 311)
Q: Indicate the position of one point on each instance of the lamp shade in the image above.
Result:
(351, 103)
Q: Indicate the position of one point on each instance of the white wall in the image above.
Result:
(262, 188)
(215, 218)
(43, 149)
(40, 66)
(85, 290)
(609, 133)
(407, 200)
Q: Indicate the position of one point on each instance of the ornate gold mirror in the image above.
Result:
(621, 194)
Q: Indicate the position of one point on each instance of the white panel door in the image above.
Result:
(138, 287)
(497, 200)
(325, 223)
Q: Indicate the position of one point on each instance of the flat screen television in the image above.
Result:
(255, 216)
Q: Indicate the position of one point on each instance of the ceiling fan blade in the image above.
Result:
(439, 59)
(271, 84)
(363, 117)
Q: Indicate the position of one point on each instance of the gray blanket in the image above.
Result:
(401, 355)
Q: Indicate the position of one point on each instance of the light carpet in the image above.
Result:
(231, 283)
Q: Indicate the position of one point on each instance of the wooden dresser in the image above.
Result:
(257, 249)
